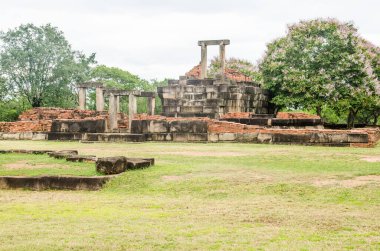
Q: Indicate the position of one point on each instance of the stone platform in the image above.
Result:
(54, 182)
(211, 98)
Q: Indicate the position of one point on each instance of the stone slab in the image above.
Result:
(54, 182)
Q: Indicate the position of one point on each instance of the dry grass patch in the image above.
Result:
(349, 183)
(24, 164)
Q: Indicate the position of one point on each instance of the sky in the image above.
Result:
(157, 39)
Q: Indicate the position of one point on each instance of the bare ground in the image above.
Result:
(371, 158)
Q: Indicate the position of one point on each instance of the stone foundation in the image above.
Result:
(208, 130)
(287, 128)
(211, 98)
(54, 182)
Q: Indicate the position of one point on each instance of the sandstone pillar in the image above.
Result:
(82, 98)
(112, 112)
(151, 105)
(99, 99)
(118, 104)
(222, 58)
(203, 61)
(132, 109)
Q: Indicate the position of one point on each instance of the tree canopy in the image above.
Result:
(321, 63)
(122, 79)
(38, 64)
(116, 77)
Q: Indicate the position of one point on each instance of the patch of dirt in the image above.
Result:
(371, 158)
(24, 164)
(349, 183)
(206, 154)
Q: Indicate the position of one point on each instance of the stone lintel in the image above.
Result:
(117, 92)
(90, 84)
(214, 42)
(148, 94)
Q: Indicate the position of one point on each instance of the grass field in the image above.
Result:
(41, 164)
(205, 197)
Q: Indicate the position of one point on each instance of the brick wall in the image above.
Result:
(26, 126)
(49, 113)
(158, 127)
(296, 115)
(40, 119)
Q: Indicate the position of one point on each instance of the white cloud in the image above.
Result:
(157, 39)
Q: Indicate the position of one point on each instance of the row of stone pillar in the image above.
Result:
(99, 100)
(114, 104)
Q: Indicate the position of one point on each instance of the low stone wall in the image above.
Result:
(278, 122)
(54, 182)
(220, 131)
(23, 135)
(113, 137)
(76, 125)
(62, 120)
(308, 138)
(169, 126)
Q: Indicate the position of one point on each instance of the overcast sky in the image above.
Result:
(158, 38)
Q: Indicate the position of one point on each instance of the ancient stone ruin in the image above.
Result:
(195, 108)
(108, 167)
(114, 101)
(199, 96)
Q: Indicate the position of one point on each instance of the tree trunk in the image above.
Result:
(275, 111)
(351, 118)
(36, 102)
(319, 110)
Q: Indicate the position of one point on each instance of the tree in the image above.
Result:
(116, 77)
(320, 63)
(121, 79)
(39, 64)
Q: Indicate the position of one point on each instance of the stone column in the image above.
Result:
(222, 58)
(132, 109)
(203, 61)
(99, 99)
(118, 104)
(151, 105)
(82, 98)
(112, 112)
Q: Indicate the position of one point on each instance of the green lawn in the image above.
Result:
(205, 197)
(41, 164)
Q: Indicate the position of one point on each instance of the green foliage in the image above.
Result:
(156, 83)
(39, 65)
(10, 107)
(121, 79)
(9, 111)
(118, 78)
(321, 63)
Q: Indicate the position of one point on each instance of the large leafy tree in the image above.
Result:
(321, 63)
(114, 77)
(38, 64)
